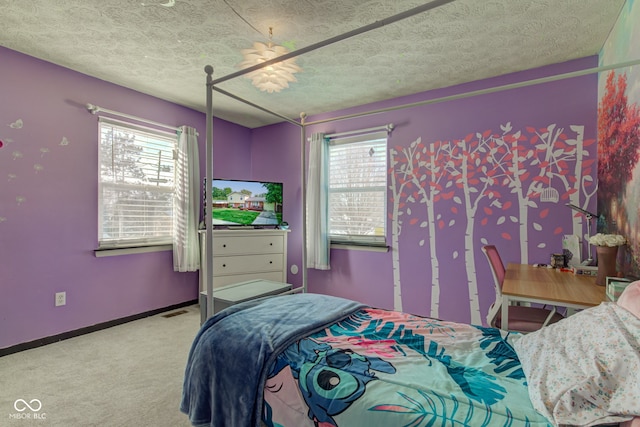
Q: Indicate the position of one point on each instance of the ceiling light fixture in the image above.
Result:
(272, 78)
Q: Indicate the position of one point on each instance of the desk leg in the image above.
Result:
(505, 313)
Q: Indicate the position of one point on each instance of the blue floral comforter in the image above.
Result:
(386, 368)
(231, 354)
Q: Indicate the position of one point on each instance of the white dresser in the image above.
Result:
(242, 255)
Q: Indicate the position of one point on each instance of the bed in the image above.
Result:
(315, 360)
(335, 362)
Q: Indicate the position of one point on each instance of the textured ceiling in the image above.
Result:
(159, 49)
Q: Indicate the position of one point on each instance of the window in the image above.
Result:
(136, 185)
(358, 189)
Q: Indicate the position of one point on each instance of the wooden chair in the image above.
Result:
(521, 318)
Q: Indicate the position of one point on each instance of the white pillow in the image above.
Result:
(585, 369)
(630, 298)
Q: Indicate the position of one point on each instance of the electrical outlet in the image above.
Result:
(61, 298)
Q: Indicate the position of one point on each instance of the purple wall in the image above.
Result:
(275, 154)
(48, 198)
(368, 276)
(48, 202)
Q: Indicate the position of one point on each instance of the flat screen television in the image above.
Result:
(238, 203)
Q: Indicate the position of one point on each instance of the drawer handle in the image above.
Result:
(224, 246)
(224, 265)
(270, 244)
(270, 262)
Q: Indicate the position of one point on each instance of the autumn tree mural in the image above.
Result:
(619, 140)
(618, 155)
(485, 178)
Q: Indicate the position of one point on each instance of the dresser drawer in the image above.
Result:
(224, 265)
(242, 255)
(227, 245)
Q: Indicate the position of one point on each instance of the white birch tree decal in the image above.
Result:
(419, 176)
(430, 190)
(582, 179)
(472, 164)
(398, 182)
(535, 168)
(486, 174)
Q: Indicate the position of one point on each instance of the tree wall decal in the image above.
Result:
(399, 181)
(418, 179)
(539, 161)
(582, 179)
(485, 175)
(471, 163)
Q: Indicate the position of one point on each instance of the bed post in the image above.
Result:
(209, 193)
(303, 159)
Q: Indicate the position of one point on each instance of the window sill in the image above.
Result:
(352, 247)
(99, 253)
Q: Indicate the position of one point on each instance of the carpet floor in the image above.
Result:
(127, 375)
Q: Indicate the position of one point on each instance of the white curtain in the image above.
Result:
(318, 242)
(186, 205)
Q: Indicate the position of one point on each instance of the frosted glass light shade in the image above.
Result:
(276, 76)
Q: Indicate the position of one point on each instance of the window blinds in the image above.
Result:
(357, 188)
(136, 185)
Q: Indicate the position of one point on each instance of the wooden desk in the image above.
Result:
(525, 283)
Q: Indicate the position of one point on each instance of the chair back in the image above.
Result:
(498, 271)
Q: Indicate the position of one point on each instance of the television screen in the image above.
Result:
(246, 203)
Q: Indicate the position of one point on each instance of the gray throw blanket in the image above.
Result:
(231, 354)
